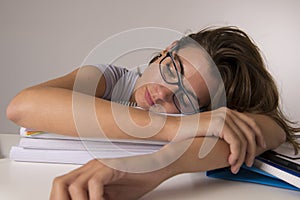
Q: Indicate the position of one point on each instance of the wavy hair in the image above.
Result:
(248, 85)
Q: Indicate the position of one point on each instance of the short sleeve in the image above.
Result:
(120, 82)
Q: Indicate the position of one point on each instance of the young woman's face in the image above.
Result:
(159, 86)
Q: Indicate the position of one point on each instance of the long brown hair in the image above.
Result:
(248, 85)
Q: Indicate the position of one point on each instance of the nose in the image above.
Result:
(163, 94)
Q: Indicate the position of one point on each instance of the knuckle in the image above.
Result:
(93, 162)
(220, 121)
(252, 121)
(95, 180)
(59, 180)
(221, 111)
(75, 187)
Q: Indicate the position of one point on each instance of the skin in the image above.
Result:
(49, 107)
(161, 92)
(96, 180)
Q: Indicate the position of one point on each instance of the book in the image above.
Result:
(54, 148)
(253, 174)
(78, 157)
(279, 167)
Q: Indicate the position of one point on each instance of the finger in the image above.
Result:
(235, 147)
(232, 122)
(97, 182)
(104, 177)
(59, 189)
(250, 138)
(78, 189)
(72, 175)
(254, 126)
(74, 180)
(241, 146)
(60, 185)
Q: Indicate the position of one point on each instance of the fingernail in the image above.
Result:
(235, 171)
(250, 163)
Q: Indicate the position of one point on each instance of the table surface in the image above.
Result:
(21, 180)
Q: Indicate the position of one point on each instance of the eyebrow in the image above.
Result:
(176, 57)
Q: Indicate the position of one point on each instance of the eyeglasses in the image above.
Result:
(185, 101)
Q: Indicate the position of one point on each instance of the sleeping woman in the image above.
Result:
(214, 79)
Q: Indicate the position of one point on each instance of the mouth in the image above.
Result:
(148, 98)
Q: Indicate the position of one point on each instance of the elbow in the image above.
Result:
(16, 109)
(282, 137)
(279, 139)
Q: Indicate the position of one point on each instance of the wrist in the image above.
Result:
(205, 120)
(191, 126)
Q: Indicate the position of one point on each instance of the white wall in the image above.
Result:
(42, 39)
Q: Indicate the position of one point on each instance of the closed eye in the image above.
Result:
(171, 70)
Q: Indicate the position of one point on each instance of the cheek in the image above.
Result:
(170, 108)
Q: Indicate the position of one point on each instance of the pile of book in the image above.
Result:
(54, 148)
(279, 168)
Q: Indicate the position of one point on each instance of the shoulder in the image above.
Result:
(109, 68)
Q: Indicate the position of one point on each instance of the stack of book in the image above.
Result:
(54, 148)
(279, 168)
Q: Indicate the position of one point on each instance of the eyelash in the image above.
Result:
(182, 100)
(171, 73)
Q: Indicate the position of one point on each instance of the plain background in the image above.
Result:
(43, 39)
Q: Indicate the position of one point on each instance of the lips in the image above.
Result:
(148, 98)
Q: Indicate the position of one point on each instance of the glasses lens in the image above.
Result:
(184, 103)
(168, 71)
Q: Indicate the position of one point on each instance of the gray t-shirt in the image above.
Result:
(120, 82)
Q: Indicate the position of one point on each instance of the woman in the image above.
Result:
(185, 82)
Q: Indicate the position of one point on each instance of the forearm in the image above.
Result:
(173, 160)
(189, 161)
(71, 113)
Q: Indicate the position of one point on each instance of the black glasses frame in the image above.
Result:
(179, 83)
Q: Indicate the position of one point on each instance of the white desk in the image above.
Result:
(32, 181)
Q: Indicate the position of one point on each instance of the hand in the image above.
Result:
(240, 131)
(95, 180)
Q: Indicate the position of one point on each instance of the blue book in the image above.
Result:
(264, 171)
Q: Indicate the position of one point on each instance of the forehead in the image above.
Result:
(197, 75)
(195, 62)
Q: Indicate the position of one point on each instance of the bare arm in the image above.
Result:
(50, 107)
(57, 106)
(99, 181)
